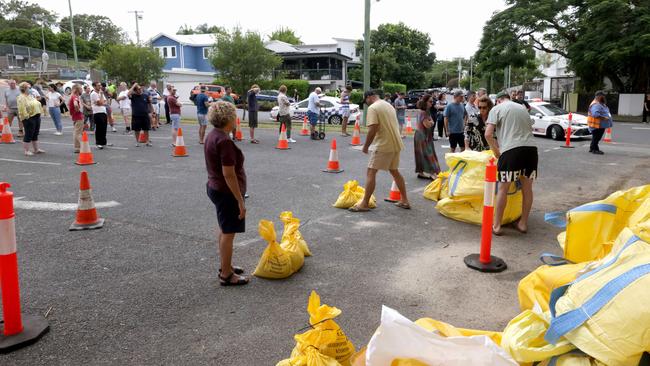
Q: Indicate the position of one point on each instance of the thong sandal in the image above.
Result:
(226, 281)
(497, 233)
(237, 270)
(358, 209)
(405, 206)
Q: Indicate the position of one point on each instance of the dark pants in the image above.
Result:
(440, 122)
(286, 121)
(63, 108)
(167, 116)
(645, 115)
(100, 128)
(596, 135)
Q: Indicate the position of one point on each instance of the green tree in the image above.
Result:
(200, 29)
(96, 28)
(242, 60)
(285, 35)
(22, 15)
(399, 54)
(130, 62)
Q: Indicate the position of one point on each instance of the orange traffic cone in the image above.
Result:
(608, 135)
(395, 195)
(283, 143)
(409, 126)
(305, 128)
(238, 134)
(142, 138)
(7, 137)
(179, 149)
(87, 217)
(356, 135)
(333, 163)
(85, 155)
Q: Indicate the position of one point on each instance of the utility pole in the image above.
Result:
(138, 16)
(74, 41)
(471, 73)
(460, 68)
(366, 48)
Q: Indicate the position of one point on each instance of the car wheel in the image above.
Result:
(557, 133)
(335, 120)
(68, 91)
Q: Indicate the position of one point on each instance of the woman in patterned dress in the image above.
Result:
(426, 161)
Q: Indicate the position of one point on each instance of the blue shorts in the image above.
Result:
(202, 120)
(176, 120)
(313, 118)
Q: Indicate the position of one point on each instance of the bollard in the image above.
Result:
(19, 330)
(567, 143)
(485, 262)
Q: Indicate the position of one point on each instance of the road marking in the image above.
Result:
(66, 144)
(547, 150)
(55, 206)
(247, 242)
(30, 162)
(418, 190)
(444, 146)
(641, 128)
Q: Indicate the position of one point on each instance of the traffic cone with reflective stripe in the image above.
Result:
(142, 138)
(608, 135)
(356, 135)
(238, 134)
(7, 137)
(20, 330)
(395, 195)
(283, 143)
(85, 155)
(333, 163)
(179, 149)
(409, 127)
(87, 217)
(305, 128)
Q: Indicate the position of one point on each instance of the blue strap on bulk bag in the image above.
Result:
(461, 165)
(558, 218)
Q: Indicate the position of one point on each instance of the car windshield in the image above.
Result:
(551, 110)
(269, 92)
(303, 104)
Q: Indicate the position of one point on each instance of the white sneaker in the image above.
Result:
(28, 153)
(292, 141)
(114, 129)
(57, 133)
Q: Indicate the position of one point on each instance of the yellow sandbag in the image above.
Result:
(604, 312)
(325, 329)
(307, 352)
(448, 330)
(352, 194)
(437, 189)
(523, 338)
(536, 287)
(581, 242)
(292, 232)
(275, 262)
(467, 172)
(408, 362)
(470, 209)
(639, 222)
(573, 360)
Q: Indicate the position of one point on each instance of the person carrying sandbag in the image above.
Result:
(517, 154)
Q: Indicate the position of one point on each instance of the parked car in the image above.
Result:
(215, 92)
(552, 121)
(330, 107)
(270, 96)
(67, 87)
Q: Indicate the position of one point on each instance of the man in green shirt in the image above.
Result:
(227, 97)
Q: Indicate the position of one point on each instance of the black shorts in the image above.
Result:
(227, 212)
(517, 162)
(456, 139)
(140, 123)
(31, 126)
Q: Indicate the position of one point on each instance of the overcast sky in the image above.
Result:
(455, 27)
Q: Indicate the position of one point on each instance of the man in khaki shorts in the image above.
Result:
(385, 145)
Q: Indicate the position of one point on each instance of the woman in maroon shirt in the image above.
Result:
(226, 187)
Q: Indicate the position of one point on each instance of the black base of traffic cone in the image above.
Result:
(78, 227)
(496, 264)
(34, 327)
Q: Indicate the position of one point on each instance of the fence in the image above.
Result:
(22, 58)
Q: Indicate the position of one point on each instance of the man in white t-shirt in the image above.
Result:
(125, 105)
(98, 103)
(313, 111)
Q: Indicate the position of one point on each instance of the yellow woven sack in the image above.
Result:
(604, 312)
(448, 330)
(572, 360)
(275, 262)
(292, 232)
(639, 222)
(581, 243)
(408, 362)
(467, 172)
(536, 287)
(352, 194)
(437, 189)
(523, 338)
(333, 341)
(306, 352)
(470, 209)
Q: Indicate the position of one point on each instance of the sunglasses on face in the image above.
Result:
(482, 107)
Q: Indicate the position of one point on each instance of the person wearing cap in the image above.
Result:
(517, 154)
(455, 116)
(384, 144)
(598, 119)
(313, 111)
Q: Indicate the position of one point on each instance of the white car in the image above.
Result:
(329, 105)
(67, 87)
(552, 121)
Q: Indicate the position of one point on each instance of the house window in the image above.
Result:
(166, 52)
(164, 49)
(206, 52)
(338, 50)
(173, 51)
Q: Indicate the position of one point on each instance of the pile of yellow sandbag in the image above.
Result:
(353, 194)
(281, 260)
(325, 344)
(459, 191)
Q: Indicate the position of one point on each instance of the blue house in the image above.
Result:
(187, 60)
